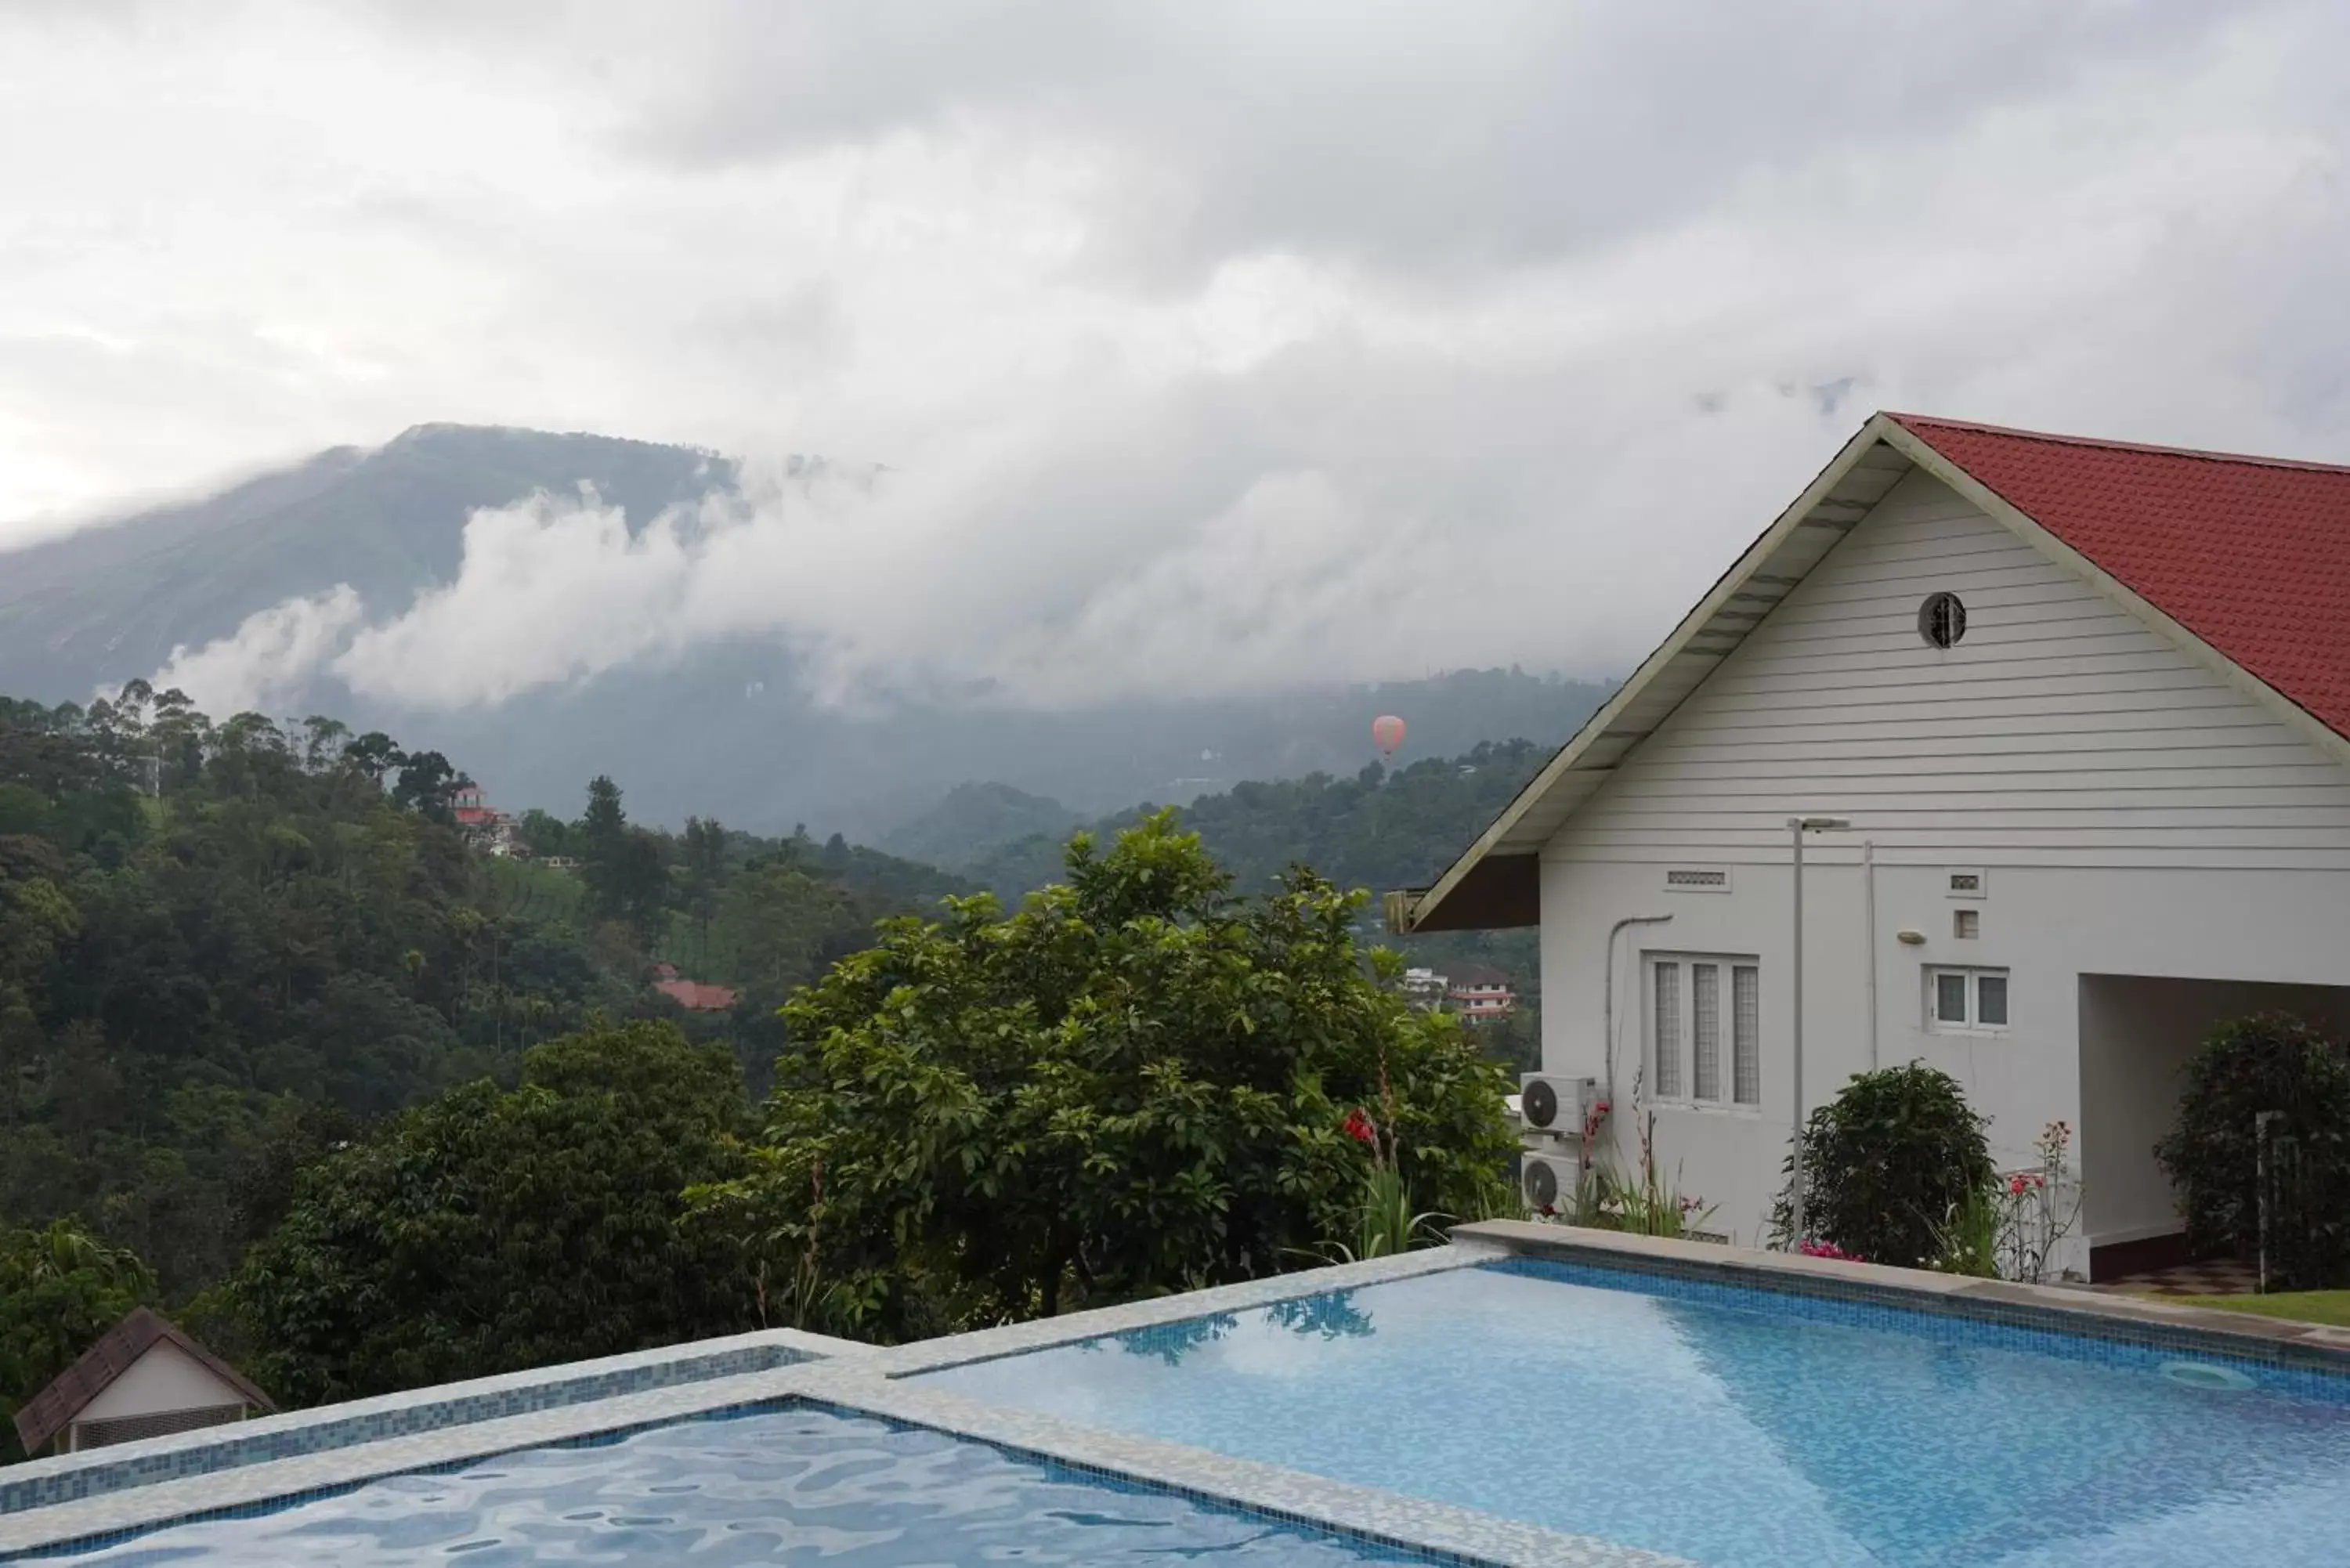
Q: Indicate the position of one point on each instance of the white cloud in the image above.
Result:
(1209, 348)
(551, 590)
(270, 658)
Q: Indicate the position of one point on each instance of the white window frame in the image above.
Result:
(1973, 975)
(1673, 1080)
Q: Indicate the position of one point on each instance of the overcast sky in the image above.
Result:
(1211, 344)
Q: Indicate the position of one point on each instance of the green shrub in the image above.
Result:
(1885, 1162)
(2270, 1063)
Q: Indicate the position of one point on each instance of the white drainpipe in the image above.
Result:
(1608, 1013)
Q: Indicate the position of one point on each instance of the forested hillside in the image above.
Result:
(1380, 829)
(280, 1036)
(225, 947)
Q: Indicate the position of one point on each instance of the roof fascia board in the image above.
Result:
(2292, 714)
(1723, 591)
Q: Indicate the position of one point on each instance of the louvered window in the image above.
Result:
(1746, 1034)
(1693, 1027)
(1705, 988)
(1665, 1030)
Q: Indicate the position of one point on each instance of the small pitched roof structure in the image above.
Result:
(2243, 562)
(53, 1409)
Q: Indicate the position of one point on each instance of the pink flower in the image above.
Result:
(1360, 1127)
(2015, 1185)
(1826, 1249)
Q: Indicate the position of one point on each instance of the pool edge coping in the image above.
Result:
(875, 1381)
(2071, 1309)
(130, 1466)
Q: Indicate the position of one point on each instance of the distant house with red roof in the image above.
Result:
(495, 831)
(1480, 994)
(693, 995)
(2062, 727)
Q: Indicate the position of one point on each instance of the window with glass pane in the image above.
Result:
(1666, 1044)
(1950, 997)
(1745, 1034)
(1705, 997)
(1967, 1001)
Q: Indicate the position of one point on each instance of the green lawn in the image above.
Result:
(2331, 1307)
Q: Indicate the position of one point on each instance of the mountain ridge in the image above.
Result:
(728, 729)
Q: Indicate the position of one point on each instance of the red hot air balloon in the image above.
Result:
(1386, 733)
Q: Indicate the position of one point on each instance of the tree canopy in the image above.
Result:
(60, 1288)
(223, 947)
(1136, 1082)
(493, 1230)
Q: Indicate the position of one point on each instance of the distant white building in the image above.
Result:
(1480, 994)
(143, 1379)
(1424, 989)
(2085, 709)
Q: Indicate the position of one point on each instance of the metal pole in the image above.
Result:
(1869, 919)
(1796, 1235)
(2264, 1175)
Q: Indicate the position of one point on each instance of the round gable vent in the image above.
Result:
(1942, 619)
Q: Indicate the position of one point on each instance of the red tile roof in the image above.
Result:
(696, 996)
(50, 1411)
(2249, 554)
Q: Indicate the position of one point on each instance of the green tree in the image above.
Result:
(1138, 1082)
(626, 880)
(374, 754)
(705, 880)
(60, 1288)
(2276, 1066)
(426, 784)
(491, 1231)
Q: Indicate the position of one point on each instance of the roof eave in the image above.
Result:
(1423, 911)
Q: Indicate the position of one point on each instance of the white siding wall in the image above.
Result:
(2059, 731)
(2134, 815)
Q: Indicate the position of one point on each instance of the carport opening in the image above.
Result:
(2136, 1034)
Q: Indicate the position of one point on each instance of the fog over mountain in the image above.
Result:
(1170, 354)
(545, 607)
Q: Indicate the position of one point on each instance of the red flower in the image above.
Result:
(1360, 1127)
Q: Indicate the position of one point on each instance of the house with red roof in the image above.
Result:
(2062, 728)
(1479, 993)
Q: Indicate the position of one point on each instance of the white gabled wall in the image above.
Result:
(164, 1379)
(2059, 731)
(2132, 813)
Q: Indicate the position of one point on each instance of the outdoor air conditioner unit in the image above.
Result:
(1547, 1181)
(1555, 1106)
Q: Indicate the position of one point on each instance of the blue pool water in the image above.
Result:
(1739, 1428)
(793, 1487)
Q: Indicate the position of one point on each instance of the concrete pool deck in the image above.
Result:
(83, 1501)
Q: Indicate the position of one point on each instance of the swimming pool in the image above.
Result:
(1737, 1426)
(779, 1487)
